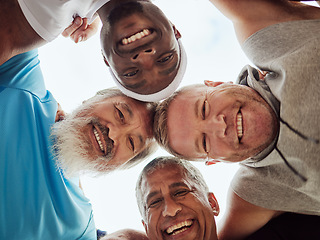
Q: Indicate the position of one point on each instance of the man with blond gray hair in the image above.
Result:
(268, 120)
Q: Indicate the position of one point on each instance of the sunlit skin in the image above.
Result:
(146, 65)
(129, 128)
(202, 122)
(171, 198)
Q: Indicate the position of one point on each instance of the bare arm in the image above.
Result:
(242, 218)
(249, 16)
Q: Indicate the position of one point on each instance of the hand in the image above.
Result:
(79, 30)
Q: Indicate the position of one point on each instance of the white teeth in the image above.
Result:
(239, 125)
(96, 134)
(134, 37)
(181, 226)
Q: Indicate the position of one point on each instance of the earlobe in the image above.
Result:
(176, 32)
(104, 59)
(145, 226)
(214, 204)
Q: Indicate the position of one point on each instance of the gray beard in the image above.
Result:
(73, 150)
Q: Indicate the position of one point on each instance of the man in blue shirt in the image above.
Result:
(37, 201)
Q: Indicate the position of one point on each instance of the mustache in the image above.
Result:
(109, 151)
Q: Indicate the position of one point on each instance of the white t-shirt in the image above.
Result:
(50, 17)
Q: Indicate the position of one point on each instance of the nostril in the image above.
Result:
(148, 50)
(135, 56)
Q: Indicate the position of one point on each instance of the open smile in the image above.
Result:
(179, 228)
(136, 36)
(239, 125)
(99, 139)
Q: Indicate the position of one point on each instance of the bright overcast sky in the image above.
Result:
(74, 72)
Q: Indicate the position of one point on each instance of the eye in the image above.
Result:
(181, 193)
(204, 143)
(204, 109)
(131, 73)
(155, 203)
(165, 59)
(119, 115)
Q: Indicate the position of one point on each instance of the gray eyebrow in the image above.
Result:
(128, 109)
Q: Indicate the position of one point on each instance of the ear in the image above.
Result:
(214, 204)
(212, 83)
(104, 59)
(176, 32)
(145, 226)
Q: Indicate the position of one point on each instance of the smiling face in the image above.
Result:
(228, 122)
(104, 134)
(176, 208)
(140, 46)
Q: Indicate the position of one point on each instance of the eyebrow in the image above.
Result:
(136, 85)
(128, 109)
(171, 186)
(141, 140)
(169, 70)
(196, 113)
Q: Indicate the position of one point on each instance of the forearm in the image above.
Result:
(242, 218)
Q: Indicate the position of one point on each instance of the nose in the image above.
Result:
(118, 131)
(114, 133)
(145, 57)
(171, 208)
(215, 126)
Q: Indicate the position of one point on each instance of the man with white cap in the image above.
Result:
(140, 45)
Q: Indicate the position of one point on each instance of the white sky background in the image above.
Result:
(74, 72)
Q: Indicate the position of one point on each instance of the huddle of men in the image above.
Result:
(268, 121)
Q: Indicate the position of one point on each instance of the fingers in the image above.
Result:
(80, 31)
(77, 22)
(86, 31)
(80, 34)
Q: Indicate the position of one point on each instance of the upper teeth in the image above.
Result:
(134, 37)
(239, 125)
(96, 134)
(182, 225)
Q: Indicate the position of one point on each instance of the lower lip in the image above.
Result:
(181, 235)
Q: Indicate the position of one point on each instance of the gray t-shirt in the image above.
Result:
(290, 52)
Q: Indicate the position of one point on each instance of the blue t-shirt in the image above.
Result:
(36, 201)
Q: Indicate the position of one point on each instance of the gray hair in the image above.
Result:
(160, 126)
(191, 172)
